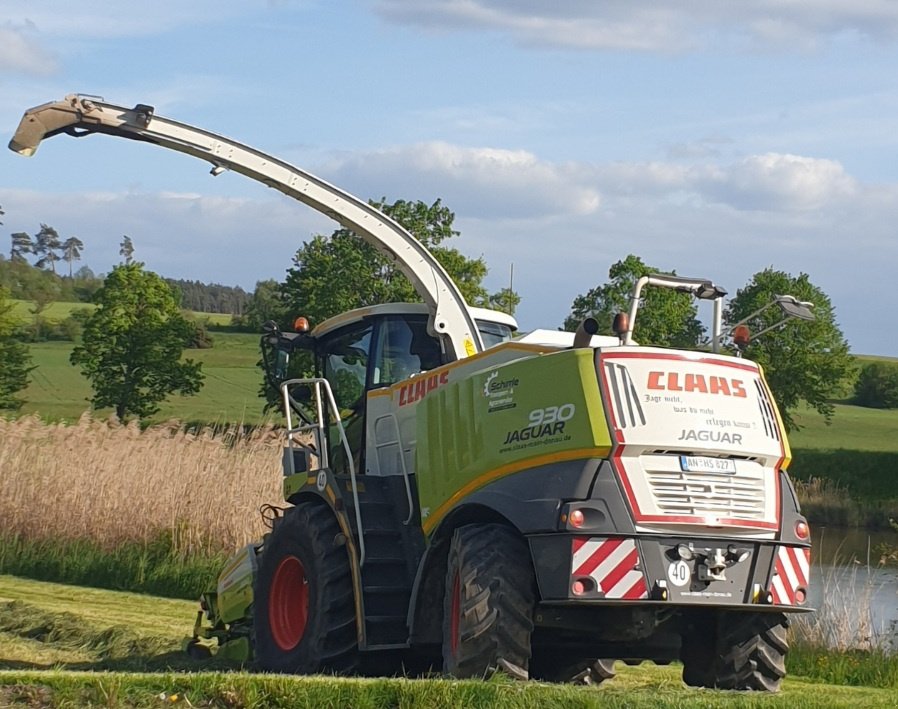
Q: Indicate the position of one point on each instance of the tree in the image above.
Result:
(71, 251)
(666, 318)
(332, 274)
(877, 386)
(132, 344)
(803, 361)
(46, 244)
(42, 292)
(15, 360)
(265, 304)
(126, 249)
(21, 245)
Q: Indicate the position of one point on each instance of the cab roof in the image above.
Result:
(352, 316)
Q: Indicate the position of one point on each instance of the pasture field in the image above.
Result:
(70, 646)
(58, 391)
(57, 312)
(853, 427)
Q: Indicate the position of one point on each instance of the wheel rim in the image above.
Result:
(455, 615)
(288, 603)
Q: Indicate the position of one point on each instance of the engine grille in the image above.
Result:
(740, 495)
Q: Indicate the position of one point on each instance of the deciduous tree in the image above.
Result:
(332, 274)
(804, 362)
(877, 386)
(132, 344)
(666, 318)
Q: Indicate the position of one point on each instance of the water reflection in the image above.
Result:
(849, 585)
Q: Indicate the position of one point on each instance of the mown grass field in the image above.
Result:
(54, 638)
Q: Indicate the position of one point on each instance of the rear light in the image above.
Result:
(576, 519)
(578, 587)
(802, 531)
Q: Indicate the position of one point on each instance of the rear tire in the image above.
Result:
(489, 602)
(304, 612)
(745, 651)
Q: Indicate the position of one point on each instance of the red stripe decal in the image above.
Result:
(621, 570)
(639, 590)
(598, 556)
(792, 553)
(787, 586)
(578, 543)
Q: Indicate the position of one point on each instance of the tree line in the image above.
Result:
(806, 363)
(30, 273)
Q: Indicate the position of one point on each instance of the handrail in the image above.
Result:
(320, 384)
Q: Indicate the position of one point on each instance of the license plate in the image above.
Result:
(702, 464)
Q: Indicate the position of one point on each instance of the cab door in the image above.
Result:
(344, 358)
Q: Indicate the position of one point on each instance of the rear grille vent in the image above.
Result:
(740, 496)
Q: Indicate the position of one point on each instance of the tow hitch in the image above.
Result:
(711, 563)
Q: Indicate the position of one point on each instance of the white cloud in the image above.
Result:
(656, 25)
(489, 181)
(20, 52)
(781, 183)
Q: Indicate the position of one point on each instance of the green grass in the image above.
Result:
(54, 313)
(57, 312)
(145, 568)
(635, 688)
(853, 427)
(54, 638)
(58, 391)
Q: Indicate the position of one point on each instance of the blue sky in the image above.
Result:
(713, 138)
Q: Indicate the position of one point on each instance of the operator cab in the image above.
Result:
(375, 347)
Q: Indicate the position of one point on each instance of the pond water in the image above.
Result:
(849, 586)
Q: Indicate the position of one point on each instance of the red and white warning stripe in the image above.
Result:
(791, 572)
(612, 564)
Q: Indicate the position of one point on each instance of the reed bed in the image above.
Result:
(119, 485)
(825, 501)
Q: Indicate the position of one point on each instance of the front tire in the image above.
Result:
(304, 613)
(744, 651)
(489, 602)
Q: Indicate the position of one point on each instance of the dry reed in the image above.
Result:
(115, 484)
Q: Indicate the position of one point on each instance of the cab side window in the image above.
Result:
(345, 360)
(404, 348)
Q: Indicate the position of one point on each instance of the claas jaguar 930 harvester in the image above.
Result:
(465, 499)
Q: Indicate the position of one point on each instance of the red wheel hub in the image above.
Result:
(288, 603)
(455, 615)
